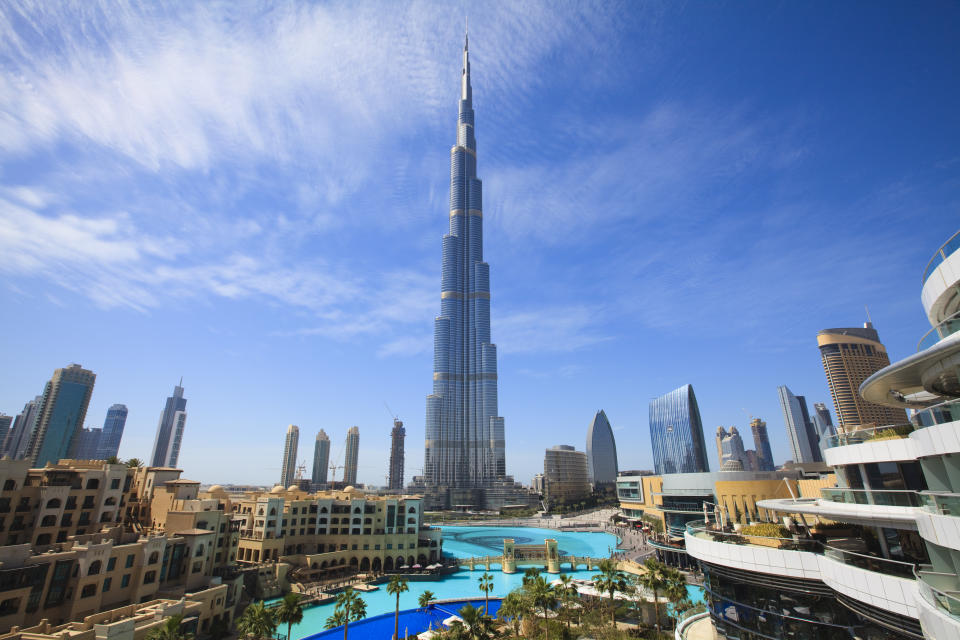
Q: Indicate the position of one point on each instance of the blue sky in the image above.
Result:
(252, 196)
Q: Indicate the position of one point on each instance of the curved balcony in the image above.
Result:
(939, 603)
(881, 508)
(939, 522)
(882, 497)
(938, 295)
(919, 380)
(870, 434)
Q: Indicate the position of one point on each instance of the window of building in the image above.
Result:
(115, 483)
(129, 561)
(125, 580)
(149, 577)
(154, 558)
(43, 539)
(94, 568)
(399, 545)
(8, 606)
(376, 547)
(111, 564)
(106, 584)
(9, 485)
(88, 590)
(53, 503)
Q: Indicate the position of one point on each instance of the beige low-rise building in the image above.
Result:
(335, 532)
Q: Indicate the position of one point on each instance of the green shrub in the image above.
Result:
(765, 530)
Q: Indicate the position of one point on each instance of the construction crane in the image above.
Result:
(333, 471)
(301, 469)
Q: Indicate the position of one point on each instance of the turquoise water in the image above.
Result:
(466, 542)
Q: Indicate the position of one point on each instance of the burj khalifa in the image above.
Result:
(464, 453)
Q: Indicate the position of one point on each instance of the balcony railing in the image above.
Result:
(865, 561)
(947, 504)
(882, 498)
(948, 326)
(888, 432)
(940, 590)
(942, 253)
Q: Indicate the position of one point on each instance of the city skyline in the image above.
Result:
(191, 233)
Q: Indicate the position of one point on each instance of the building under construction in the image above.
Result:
(395, 481)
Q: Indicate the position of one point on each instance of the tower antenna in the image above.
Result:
(867, 309)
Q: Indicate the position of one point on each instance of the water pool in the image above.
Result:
(466, 542)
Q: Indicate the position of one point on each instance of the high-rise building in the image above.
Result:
(804, 441)
(850, 356)
(731, 447)
(464, 448)
(5, 424)
(18, 440)
(601, 452)
(676, 433)
(112, 432)
(565, 476)
(288, 469)
(397, 434)
(351, 456)
(761, 443)
(822, 420)
(166, 446)
(62, 412)
(86, 443)
(321, 458)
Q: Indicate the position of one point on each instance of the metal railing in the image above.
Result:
(941, 254)
(941, 502)
(946, 327)
(941, 413)
(882, 497)
(858, 436)
(864, 561)
(940, 590)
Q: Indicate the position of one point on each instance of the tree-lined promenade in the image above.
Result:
(616, 605)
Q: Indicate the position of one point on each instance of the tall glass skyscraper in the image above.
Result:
(601, 452)
(321, 458)
(804, 441)
(761, 442)
(351, 456)
(112, 431)
(62, 412)
(676, 433)
(173, 420)
(464, 435)
(288, 468)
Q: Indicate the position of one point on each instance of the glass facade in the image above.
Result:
(321, 458)
(162, 445)
(464, 436)
(804, 442)
(62, 413)
(676, 433)
(601, 452)
(112, 431)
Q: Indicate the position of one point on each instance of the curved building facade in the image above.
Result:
(601, 452)
(676, 433)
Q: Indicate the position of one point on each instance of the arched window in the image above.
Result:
(48, 521)
(412, 510)
(110, 501)
(154, 558)
(9, 485)
(357, 510)
(353, 561)
(273, 511)
(323, 509)
(93, 483)
(53, 503)
(94, 568)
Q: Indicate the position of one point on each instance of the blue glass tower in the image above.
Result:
(112, 432)
(464, 435)
(676, 433)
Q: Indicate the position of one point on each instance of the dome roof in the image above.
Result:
(278, 489)
(215, 489)
(293, 487)
(350, 489)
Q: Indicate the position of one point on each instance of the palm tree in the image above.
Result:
(543, 597)
(257, 621)
(654, 578)
(568, 595)
(611, 580)
(112, 460)
(350, 608)
(530, 574)
(170, 630)
(425, 599)
(478, 626)
(134, 463)
(486, 585)
(290, 611)
(513, 608)
(396, 586)
(676, 589)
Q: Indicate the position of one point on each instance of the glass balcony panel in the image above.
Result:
(887, 432)
(867, 496)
